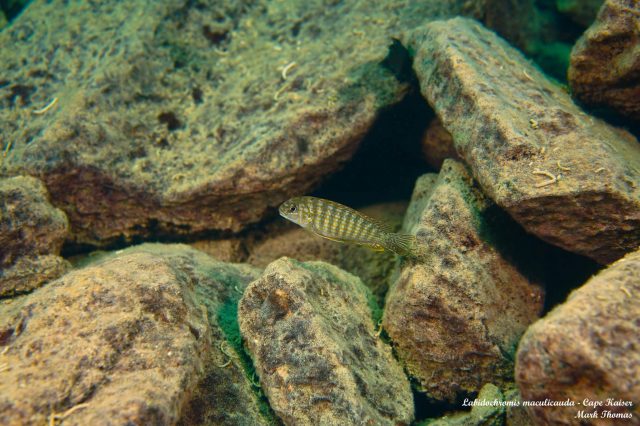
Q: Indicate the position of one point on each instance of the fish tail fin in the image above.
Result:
(402, 244)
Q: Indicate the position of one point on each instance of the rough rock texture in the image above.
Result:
(568, 178)
(588, 347)
(605, 62)
(489, 415)
(437, 144)
(455, 316)
(226, 250)
(310, 333)
(581, 11)
(373, 268)
(176, 117)
(128, 341)
(31, 234)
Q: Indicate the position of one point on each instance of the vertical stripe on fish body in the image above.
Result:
(341, 223)
(338, 222)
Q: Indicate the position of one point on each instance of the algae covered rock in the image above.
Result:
(136, 338)
(309, 329)
(31, 235)
(455, 315)
(566, 177)
(193, 116)
(605, 62)
(587, 349)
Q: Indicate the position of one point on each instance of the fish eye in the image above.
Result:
(292, 209)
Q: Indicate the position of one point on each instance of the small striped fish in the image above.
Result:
(341, 223)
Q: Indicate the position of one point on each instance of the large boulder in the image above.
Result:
(455, 314)
(32, 232)
(178, 117)
(605, 63)
(309, 329)
(145, 337)
(566, 177)
(587, 349)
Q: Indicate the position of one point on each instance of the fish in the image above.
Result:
(338, 222)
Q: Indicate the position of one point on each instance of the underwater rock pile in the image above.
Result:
(183, 118)
(191, 121)
(565, 176)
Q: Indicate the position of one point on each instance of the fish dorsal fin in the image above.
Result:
(383, 225)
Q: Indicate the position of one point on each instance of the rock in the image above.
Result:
(309, 329)
(582, 12)
(226, 250)
(31, 235)
(587, 348)
(605, 63)
(197, 116)
(129, 341)
(516, 414)
(437, 145)
(455, 316)
(373, 268)
(566, 177)
(31, 272)
(484, 414)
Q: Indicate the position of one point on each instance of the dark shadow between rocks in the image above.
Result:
(427, 408)
(559, 271)
(389, 160)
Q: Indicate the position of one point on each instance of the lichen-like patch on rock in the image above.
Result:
(566, 177)
(455, 315)
(587, 348)
(309, 329)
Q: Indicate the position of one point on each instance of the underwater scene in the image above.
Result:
(320, 212)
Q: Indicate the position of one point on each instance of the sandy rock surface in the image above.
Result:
(605, 63)
(173, 117)
(455, 316)
(587, 348)
(31, 235)
(310, 332)
(566, 177)
(138, 338)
